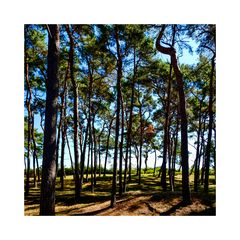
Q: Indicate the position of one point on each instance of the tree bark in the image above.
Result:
(75, 103)
(34, 151)
(166, 132)
(119, 77)
(155, 162)
(210, 126)
(129, 129)
(70, 155)
(121, 188)
(83, 159)
(95, 153)
(28, 101)
(47, 199)
(141, 143)
(59, 131)
(175, 153)
(184, 123)
(107, 147)
(197, 160)
(63, 126)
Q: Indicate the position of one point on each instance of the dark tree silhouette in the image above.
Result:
(184, 123)
(47, 200)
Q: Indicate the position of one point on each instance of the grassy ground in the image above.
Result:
(146, 199)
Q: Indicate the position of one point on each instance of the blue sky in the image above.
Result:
(185, 58)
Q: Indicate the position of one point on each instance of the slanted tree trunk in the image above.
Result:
(47, 199)
(166, 133)
(141, 143)
(197, 159)
(170, 160)
(63, 127)
(167, 125)
(118, 87)
(129, 127)
(155, 162)
(28, 101)
(175, 153)
(70, 155)
(203, 152)
(83, 158)
(91, 158)
(137, 158)
(215, 153)
(88, 158)
(34, 152)
(75, 117)
(121, 148)
(107, 147)
(95, 153)
(184, 123)
(58, 140)
(210, 126)
(146, 159)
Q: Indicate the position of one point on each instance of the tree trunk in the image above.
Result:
(95, 153)
(202, 152)
(210, 126)
(129, 127)
(184, 123)
(197, 160)
(91, 158)
(137, 158)
(83, 158)
(47, 199)
(166, 132)
(155, 162)
(119, 77)
(88, 158)
(121, 189)
(34, 151)
(63, 127)
(75, 103)
(70, 155)
(175, 153)
(141, 143)
(130, 163)
(28, 101)
(146, 159)
(106, 156)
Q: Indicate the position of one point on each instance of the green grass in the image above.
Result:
(150, 185)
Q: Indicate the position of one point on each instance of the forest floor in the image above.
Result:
(146, 199)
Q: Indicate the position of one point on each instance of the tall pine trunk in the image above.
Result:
(63, 127)
(28, 101)
(121, 149)
(197, 159)
(70, 155)
(47, 199)
(107, 147)
(166, 133)
(75, 117)
(119, 77)
(210, 126)
(184, 123)
(129, 127)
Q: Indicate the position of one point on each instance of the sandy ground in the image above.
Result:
(138, 205)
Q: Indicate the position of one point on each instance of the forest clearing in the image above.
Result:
(144, 200)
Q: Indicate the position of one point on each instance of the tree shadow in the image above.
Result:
(173, 209)
(70, 200)
(207, 212)
(93, 213)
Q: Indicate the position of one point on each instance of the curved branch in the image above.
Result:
(170, 51)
